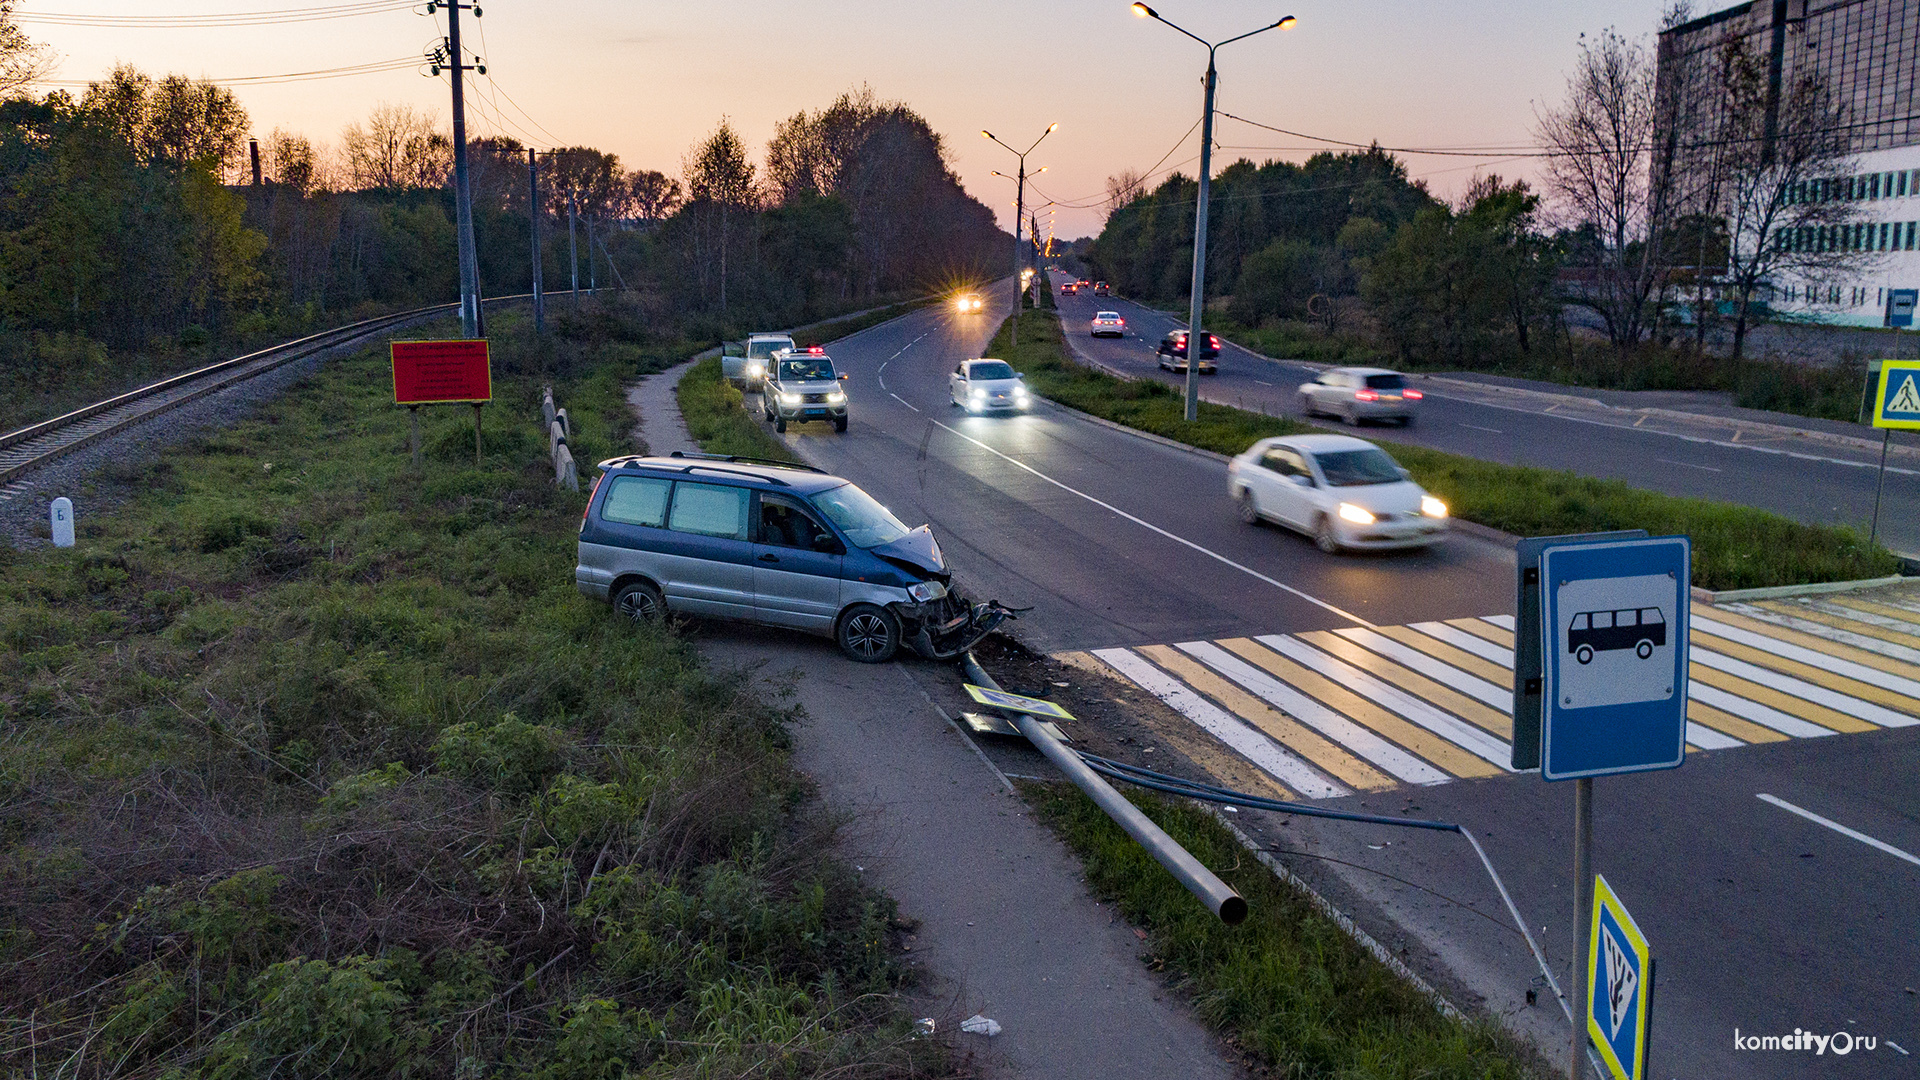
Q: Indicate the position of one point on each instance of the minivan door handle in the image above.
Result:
(769, 557)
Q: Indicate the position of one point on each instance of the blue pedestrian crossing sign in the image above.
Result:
(1613, 628)
(1899, 395)
(1619, 985)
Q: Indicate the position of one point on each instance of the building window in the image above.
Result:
(1903, 181)
(1886, 229)
(1910, 226)
(1873, 186)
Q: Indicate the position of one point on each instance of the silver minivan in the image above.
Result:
(774, 543)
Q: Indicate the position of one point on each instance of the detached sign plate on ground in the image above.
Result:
(1020, 703)
(1899, 399)
(441, 372)
(1614, 651)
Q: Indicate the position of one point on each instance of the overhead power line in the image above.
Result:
(212, 20)
(400, 64)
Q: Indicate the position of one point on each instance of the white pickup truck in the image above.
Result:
(745, 364)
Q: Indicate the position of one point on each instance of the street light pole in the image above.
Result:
(1198, 302)
(1019, 208)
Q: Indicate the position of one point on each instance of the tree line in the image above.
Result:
(1681, 195)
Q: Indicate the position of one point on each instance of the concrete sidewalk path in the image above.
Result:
(653, 402)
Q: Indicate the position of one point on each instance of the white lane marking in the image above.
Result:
(1273, 759)
(1787, 684)
(1469, 643)
(1689, 464)
(901, 400)
(1708, 739)
(1504, 622)
(1263, 382)
(1839, 828)
(1754, 711)
(1355, 738)
(1477, 427)
(1885, 622)
(1499, 697)
(881, 374)
(1831, 633)
(1870, 675)
(1456, 731)
(1143, 523)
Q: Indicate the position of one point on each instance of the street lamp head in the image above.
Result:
(1145, 12)
(985, 134)
(1050, 128)
(1286, 22)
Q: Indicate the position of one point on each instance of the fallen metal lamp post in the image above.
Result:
(1200, 881)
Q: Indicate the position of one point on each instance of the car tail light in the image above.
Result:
(1212, 342)
(1412, 395)
(1367, 395)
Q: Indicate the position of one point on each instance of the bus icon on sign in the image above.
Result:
(1640, 629)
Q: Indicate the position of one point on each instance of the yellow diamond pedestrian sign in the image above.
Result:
(1619, 985)
(1899, 395)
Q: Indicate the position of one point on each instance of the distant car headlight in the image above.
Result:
(789, 399)
(1355, 514)
(836, 397)
(927, 591)
(756, 369)
(1432, 507)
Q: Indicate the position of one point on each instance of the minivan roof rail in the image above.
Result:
(776, 463)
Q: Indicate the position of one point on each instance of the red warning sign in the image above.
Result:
(440, 372)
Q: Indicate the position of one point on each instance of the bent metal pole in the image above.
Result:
(1200, 881)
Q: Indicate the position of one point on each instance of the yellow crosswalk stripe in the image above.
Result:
(1859, 604)
(1323, 753)
(1483, 629)
(1447, 654)
(1817, 676)
(1808, 641)
(1802, 611)
(1434, 748)
(1730, 725)
(1775, 699)
(1413, 682)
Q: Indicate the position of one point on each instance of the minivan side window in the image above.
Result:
(710, 510)
(637, 500)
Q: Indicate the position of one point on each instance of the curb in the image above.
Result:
(1776, 592)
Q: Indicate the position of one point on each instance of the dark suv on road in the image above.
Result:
(772, 543)
(1172, 352)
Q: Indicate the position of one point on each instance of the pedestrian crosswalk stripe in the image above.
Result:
(1499, 697)
(1807, 662)
(1499, 655)
(1374, 703)
(1381, 753)
(1362, 708)
(1801, 688)
(1327, 756)
(1413, 682)
(1252, 745)
(1859, 630)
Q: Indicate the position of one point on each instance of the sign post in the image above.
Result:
(1619, 999)
(442, 373)
(1606, 690)
(1897, 406)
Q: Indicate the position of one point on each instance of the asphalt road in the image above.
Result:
(1825, 485)
(1760, 919)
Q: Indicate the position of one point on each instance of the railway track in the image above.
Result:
(36, 445)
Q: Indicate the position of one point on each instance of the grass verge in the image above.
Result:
(1287, 987)
(1734, 547)
(717, 418)
(314, 766)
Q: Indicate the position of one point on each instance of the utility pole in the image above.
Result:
(533, 216)
(450, 57)
(573, 253)
(593, 272)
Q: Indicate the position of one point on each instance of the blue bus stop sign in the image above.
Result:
(1614, 656)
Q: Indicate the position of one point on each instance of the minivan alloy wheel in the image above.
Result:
(869, 634)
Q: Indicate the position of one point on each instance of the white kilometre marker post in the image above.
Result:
(61, 515)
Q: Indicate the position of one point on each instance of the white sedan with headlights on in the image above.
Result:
(981, 386)
(1342, 491)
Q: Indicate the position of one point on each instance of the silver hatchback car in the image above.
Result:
(1358, 394)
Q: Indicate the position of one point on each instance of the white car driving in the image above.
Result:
(1344, 492)
(988, 386)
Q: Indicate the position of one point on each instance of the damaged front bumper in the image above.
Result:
(945, 628)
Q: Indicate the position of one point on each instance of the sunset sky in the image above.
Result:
(646, 80)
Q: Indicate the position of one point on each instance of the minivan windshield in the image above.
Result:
(990, 369)
(816, 368)
(1356, 468)
(762, 350)
(866, 523)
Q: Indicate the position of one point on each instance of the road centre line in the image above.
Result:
(1477, 427)
(1839, 828)
(1688, 464)
(901, 400)
(1142, 522)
